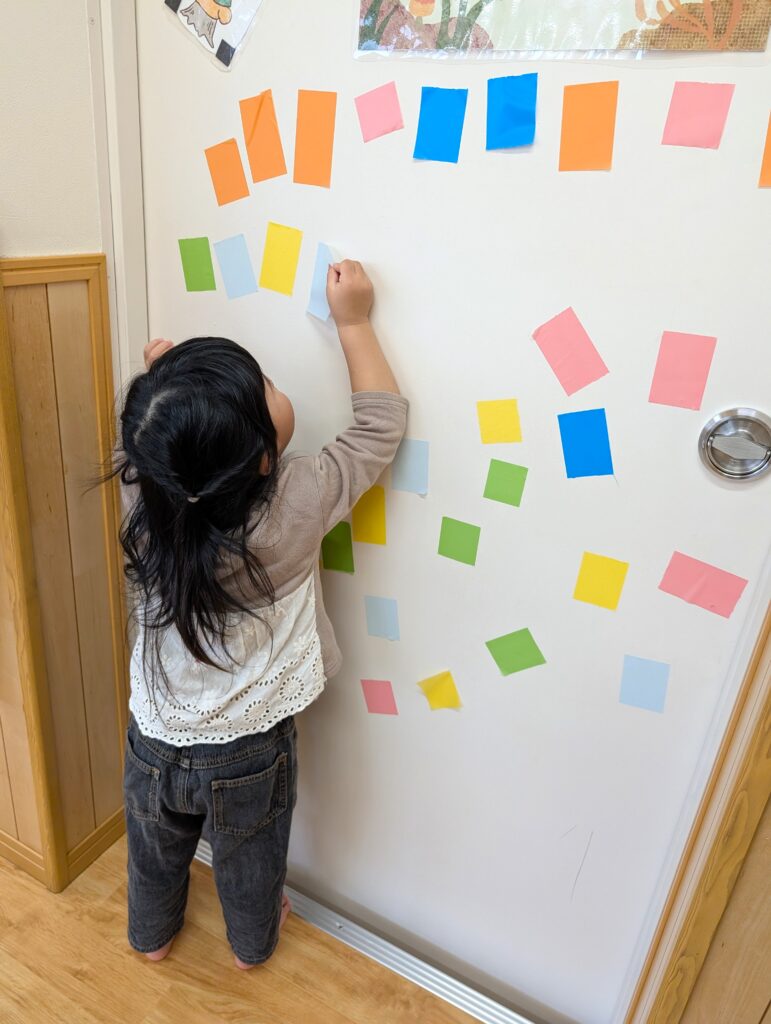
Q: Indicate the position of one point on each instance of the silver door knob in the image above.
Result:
(736, 444)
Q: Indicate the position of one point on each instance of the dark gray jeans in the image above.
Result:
(239, 796)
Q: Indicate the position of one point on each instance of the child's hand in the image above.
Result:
(349, 293)
(156, 348)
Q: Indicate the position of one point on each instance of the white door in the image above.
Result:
(525, 839)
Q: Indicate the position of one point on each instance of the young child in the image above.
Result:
(222, 542)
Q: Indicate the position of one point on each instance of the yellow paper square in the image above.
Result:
(279, 258)
(369, 517)
(441, 691)
(600, 580)
(499, 421)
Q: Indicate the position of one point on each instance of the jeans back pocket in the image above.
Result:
(140, 787)
(246, 805)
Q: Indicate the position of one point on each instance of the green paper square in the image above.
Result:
(459, 540)
(515, 651)
(196, 264)
(505, 482)
(337, 549)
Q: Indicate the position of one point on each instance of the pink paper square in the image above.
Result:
(569, 351)
(702, 584)
(682, 369)
(697, 114)
(379, 697)
(379, 112)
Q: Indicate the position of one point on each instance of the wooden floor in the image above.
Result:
(66, 958)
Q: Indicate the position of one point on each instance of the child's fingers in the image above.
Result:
(333, 275)
(155, 348)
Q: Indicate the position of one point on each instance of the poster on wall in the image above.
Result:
(220, 26)
(489, 28)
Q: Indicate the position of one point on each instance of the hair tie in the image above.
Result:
(193, 498)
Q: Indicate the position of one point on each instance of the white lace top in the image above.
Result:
(269, 681)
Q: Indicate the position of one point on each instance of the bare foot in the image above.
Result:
(286, 909)
(162, 953)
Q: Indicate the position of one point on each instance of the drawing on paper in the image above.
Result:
(203, 16)
(219, 26)
(490, 26)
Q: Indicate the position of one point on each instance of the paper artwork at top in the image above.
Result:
(220, 26)
(460, 28)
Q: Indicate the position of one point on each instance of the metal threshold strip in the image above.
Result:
(395, 959)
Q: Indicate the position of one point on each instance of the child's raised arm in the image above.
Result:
(350, 295)
(351, 464)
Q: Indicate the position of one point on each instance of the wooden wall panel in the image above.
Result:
(30, 340)
(76, 388)
(18, 805)
(7, 816)
(9, 686)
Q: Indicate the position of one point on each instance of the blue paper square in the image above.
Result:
(644, 683)
(440, 126)
(511, 111)
(382, 617)
(585, 443)
(317, 304)
(409, 470)
(235, 266)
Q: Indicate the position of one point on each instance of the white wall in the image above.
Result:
(49, 200)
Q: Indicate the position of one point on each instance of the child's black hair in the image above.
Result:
(199, 441)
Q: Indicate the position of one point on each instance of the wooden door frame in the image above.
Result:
(729, 812)
(58, 864)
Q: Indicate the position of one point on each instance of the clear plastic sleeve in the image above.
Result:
(589, 29)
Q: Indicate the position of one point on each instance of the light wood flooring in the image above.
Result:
(65, 958)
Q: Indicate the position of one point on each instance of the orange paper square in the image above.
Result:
(262, 137)
(588, 126)
(227, 172)
(315, 137)
(765, 167)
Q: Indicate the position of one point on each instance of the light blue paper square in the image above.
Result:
(235, 267)
(317, 304)
(409, 470)
(644, 683)
(382, 617)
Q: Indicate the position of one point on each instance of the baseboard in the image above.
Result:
(22, 856)
(95, 844)
(395, 959)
